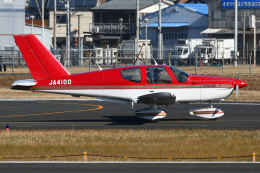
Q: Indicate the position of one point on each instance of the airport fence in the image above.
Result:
(113, 57)
(85, 157)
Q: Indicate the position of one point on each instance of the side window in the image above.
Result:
(157, 75)
(132, 74)
(185, 51)
(180, 75)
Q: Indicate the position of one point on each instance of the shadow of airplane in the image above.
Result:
(120, 120)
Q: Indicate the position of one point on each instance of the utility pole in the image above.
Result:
(235, 60)
(254, 41)
(137, 31)
(43, 21)
(67, 6)
(54, 25)
(244, 37)
(160, 31)
(79, 42)
(79, 31)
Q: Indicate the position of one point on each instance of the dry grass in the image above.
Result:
(131, 143)
(228, 70)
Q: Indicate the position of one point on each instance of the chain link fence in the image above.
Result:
(113, 57)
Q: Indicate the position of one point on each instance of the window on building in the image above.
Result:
(170, 36)
(97, 16)
(185, 36)
(181, 35)
(176, 37)
(223, 14)
(61, 18)
(163, 36)
(166, 36)
(220, 14)
(132, 74)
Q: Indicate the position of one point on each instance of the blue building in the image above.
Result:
(178, 21)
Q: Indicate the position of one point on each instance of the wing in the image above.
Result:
(162, 98)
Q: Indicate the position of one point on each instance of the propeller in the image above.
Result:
(237, 87)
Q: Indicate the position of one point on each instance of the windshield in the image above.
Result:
(180, 75)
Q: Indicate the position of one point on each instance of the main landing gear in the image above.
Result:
(152, 113)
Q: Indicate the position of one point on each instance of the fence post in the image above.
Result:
(169, 59)
(247, 53)
(85, 156)
(116, 58)
(13, 62)
(250, 55)
(108, 55)
(64, 59)
(253, 157)
(222, 53)
(196, 56)
(89, 54)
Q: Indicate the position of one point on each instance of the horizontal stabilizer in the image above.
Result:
(23, 84)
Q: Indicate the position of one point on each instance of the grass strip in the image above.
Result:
(130, 145)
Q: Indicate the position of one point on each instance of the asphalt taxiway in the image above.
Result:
(124, 167)
(93, 114)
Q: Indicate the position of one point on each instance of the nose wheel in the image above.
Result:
(210, 112)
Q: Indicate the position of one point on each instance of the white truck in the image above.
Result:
(207, 48)
(185, 48)
(214, 49)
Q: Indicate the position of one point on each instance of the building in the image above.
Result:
(12, 21)
(194, 1)
(77, 8)
(105, 28)
(221, 22)
(37, 30)
(178, 21)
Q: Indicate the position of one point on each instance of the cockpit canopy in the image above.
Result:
(154, 75)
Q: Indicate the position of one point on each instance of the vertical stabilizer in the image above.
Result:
(40, 61)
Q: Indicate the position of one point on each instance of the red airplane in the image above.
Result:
(149, 84)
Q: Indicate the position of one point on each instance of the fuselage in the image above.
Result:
(126, 84)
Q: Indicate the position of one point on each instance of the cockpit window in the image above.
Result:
(157, 75)
(180, 75)
(132, 74)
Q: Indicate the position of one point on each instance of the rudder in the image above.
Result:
(41, 62)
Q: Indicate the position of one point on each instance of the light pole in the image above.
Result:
(146, 20)
(32, 17)
(120, 21)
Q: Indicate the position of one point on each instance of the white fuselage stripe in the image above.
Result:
(182, 95)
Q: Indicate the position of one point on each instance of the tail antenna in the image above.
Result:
(154, 60)
(98, 66)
